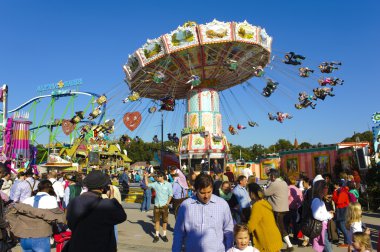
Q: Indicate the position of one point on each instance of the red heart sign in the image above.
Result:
(132, 120)
(67, 127)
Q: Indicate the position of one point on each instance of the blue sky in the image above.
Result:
(47, 41)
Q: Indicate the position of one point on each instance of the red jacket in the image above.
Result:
(340, 197)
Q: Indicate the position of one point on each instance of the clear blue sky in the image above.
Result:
(46, 41)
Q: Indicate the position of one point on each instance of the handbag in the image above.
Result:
(312, 228)
(59, 227)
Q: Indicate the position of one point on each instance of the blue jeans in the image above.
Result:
(145, 205)
(328, 246)
(341, 226)
(35, 244)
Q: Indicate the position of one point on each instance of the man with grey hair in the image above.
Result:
(277, 193)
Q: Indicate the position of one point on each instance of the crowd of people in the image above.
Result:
(214, 211)
(79, 206)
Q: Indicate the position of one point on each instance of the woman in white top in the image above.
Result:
(319, 211)
(44, 199)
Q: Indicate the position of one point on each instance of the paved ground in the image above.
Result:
(136, 234)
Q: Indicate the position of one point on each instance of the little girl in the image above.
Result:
(361, 242)
(241, 235)
(354, 218)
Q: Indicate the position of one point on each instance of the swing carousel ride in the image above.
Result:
(199, 70)
(198, 63)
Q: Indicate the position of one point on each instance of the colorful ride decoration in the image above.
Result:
(198, 61)
(16, 142)
(203, 125)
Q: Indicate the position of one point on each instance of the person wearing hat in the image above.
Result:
(164, 194)
(92, 218)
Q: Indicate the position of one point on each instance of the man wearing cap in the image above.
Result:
(92, 219)
(164, 193)
(277, 193)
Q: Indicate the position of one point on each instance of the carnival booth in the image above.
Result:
(322, 159)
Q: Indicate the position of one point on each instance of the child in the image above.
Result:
(361, 242)
(354, 219)
(241, 235)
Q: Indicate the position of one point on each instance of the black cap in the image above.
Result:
(96, 180)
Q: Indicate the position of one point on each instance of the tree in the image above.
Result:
(364, 136)
(281, 144)
(246, 153)
(304, 145)
(258, 151)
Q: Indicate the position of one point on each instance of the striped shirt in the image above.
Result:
(203, 227)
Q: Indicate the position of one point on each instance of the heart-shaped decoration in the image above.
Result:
(67, 127)
(132, 120)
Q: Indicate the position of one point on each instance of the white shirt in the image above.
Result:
(6, 188)
(247, 249)
(355, 227)
(58, 188)
(319, 210)
(247, 172)
(46, 202)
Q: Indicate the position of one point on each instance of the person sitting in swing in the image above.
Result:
(305, 72)
(293, 59)
(194, 80)
(330, 81)
(232, 130)
(329, 67)
(321, 93)
(270, 87)
(258, 71)
(231, 64)
(253, 124)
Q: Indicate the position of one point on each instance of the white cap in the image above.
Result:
(317, 178)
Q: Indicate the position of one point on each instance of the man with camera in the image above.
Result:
(92, 219)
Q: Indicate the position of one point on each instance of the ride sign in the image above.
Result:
(73, 84)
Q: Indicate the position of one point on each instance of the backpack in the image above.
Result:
(351, 197)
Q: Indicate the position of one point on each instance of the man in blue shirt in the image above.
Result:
(164, 193)
(204, 221)
(243, 199)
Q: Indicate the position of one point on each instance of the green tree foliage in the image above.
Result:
(364, 136)
(246, 153)
(144, 151)
(258, 151)
(304, 145)
(281, 144)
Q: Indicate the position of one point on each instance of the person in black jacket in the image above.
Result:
(92, 219)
